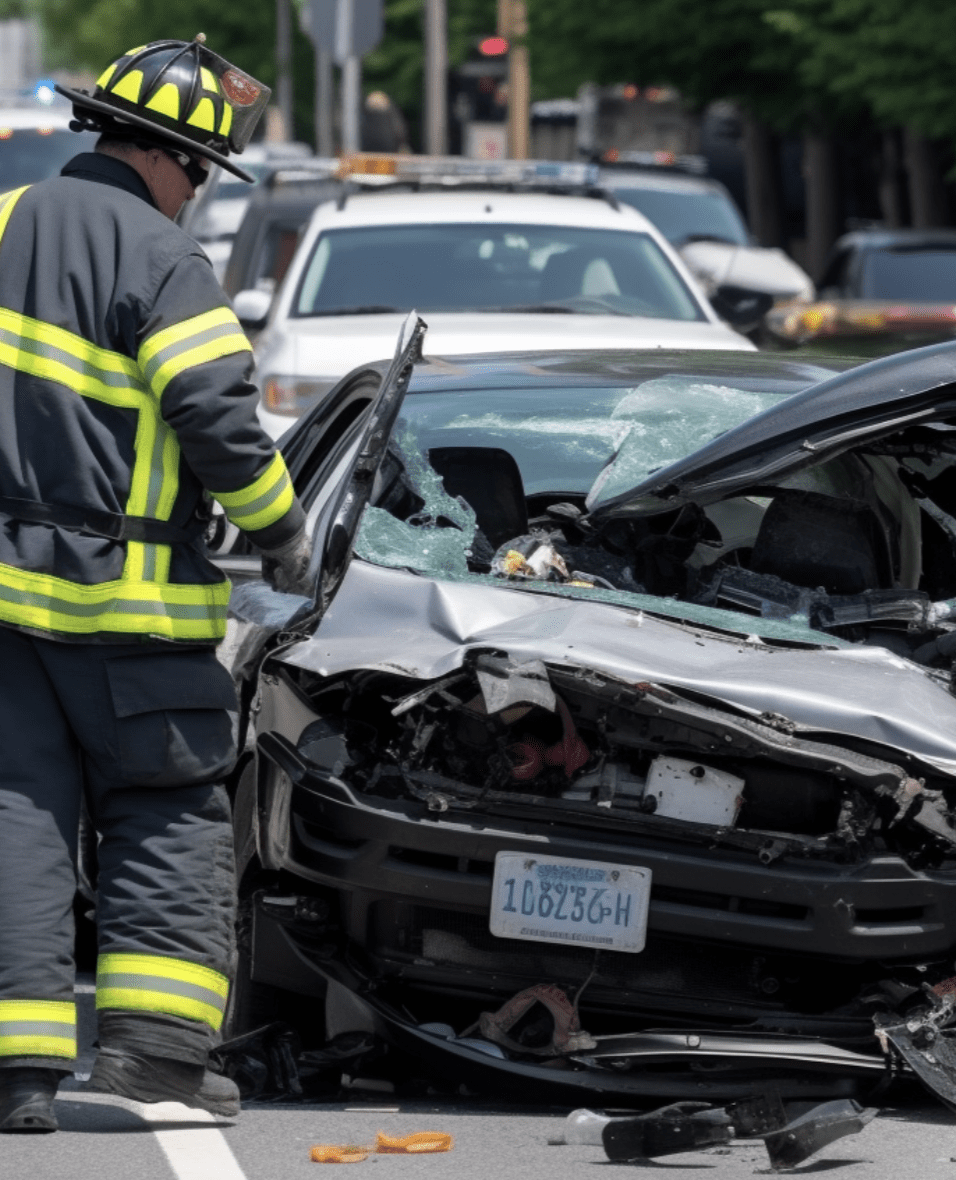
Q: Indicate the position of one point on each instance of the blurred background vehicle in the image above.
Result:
(215, 215)
(882, 291)
(277, 210)
(498, 257)
(35, 143)
(700, 219)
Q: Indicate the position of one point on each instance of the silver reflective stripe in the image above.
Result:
(81, 367)
(155, 491)
(264, 501)
(158, 983)
(129, 606)
(219, 332)
(37, 1028)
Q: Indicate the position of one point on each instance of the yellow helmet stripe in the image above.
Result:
(165, 101)
(204, 115)
(226, 125)
(129, 86)
(208, 80)
(108, 73)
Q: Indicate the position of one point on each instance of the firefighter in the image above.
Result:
(125, 403)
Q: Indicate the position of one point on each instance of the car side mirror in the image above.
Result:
(741, 307)
(252, 308)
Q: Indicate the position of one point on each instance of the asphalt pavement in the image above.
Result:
(104, 1138)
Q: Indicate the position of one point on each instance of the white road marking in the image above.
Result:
(194, 1152)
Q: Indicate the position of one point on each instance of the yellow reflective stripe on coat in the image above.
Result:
(37, 1028)
(261, 503)
(170, 610)
(153, 983)
(195, 341)
(43, 350)
(7, 202)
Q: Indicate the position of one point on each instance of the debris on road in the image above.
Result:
(791, 1132)
(418, 1143)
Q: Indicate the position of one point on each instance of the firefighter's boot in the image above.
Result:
(161, 1079)
(26, 1100)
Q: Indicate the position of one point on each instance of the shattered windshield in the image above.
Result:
(518, 464)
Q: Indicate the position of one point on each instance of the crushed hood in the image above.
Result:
(394, 621)
(859, 406)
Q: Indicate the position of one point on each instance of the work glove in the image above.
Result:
(286, 568)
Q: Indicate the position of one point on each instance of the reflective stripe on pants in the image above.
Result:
(37, 1028)
(153, 983)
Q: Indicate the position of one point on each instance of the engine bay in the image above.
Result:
(501, 731)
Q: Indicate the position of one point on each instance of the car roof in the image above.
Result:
(615, 368)
(886, 239)
(660, 182)
(464, 205)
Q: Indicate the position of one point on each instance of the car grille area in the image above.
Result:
(669, 975)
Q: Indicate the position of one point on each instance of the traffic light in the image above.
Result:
(480, 84)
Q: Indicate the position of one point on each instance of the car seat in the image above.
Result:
(810, 539)
(487, 478)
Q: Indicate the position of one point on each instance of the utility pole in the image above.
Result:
(513, 26)
(324, 100)
(351, 76)
(436, 78)
(284, 65)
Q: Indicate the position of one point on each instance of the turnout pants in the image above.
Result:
(145, 731)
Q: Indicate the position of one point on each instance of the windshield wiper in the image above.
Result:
(364, 309)
(532, 308)
(688, 238)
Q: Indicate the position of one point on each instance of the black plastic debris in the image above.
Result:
(752, 1118)
(684, 1126)
(268, 1064)
(262, 1063)
(813, 1130)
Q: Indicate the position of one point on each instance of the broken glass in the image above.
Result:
(667, 419)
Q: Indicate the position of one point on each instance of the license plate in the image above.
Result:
(556, 899)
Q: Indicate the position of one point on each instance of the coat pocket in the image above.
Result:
(175, 718)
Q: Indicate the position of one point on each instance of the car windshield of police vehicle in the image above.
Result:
(498, 256)
(615, 754)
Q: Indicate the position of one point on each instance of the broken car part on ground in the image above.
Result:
(659, 726)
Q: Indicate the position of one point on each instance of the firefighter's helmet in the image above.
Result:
(178, 92)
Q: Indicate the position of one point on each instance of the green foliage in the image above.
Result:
(709, 49)
(897, 58)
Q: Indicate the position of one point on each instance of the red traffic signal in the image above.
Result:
(493, 46)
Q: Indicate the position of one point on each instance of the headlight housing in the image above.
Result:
(292, 396)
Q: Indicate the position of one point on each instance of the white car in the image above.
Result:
(700, 220)
(491, 270)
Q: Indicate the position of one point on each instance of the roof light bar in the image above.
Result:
(661, 159)
(456, 170)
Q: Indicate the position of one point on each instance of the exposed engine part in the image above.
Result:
(500, 727)
(566, 1034)
(926, 1041)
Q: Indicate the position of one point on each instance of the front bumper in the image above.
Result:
(730, 939)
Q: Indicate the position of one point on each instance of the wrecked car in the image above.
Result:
(616, 753)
